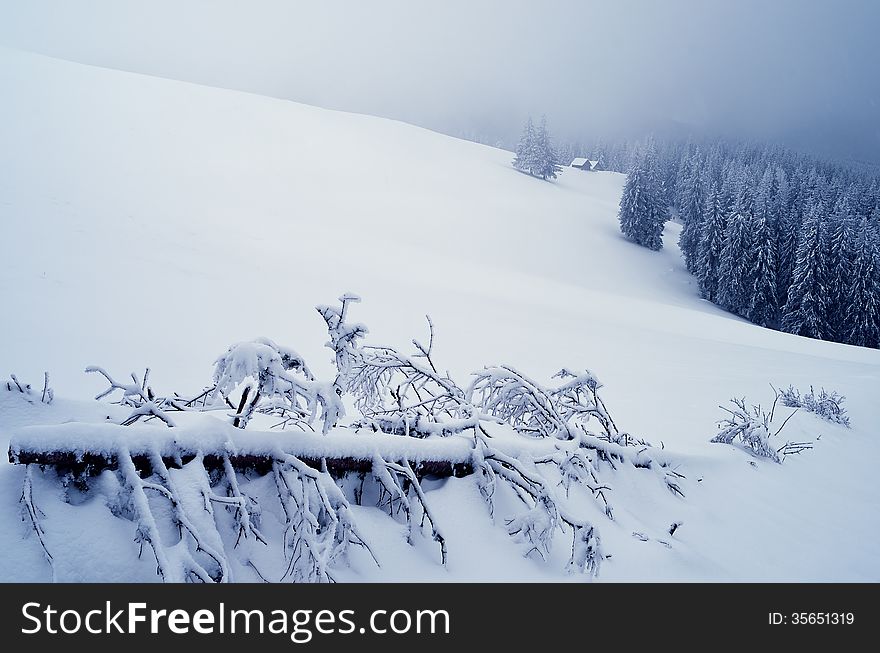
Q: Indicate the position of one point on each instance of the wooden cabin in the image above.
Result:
(582, 163)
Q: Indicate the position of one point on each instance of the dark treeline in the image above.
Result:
(782, 239)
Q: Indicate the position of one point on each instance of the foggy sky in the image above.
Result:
(806, 72)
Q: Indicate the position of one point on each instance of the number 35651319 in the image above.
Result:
(811, 618)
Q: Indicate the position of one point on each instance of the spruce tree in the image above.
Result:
(534, 153)
(692, 202)
(711, 245)
(763, 308)
(735, 268)
(839, 237)
(546, 159)
(788, 225)
(765, 195)
(862, 318)
(525, 149)
(804, 312)
(681, 179)
(642, 214)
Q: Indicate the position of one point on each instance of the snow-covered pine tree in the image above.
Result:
(692, 202)
(788, 226)
(642, 213)
(868, 199)
(763, 308)
(534, 153)
(710, 244)
(525, 149)
(804, 312)
(862, 318)
(678, 184)
(547, 164)
(735, 270)
(765, 195)
(839, 237)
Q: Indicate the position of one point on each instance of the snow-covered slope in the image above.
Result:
(148, 222)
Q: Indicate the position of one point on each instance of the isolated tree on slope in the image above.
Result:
(642, 211)
(548, 166)
(804, 312)
(525, 150)
(862, 318)
(535, 154)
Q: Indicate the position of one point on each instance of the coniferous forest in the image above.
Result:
(782, 239)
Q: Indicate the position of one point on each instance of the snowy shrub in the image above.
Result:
(751, 427)
(827, 405)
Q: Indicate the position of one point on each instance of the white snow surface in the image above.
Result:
(205, 434)
(150, 222)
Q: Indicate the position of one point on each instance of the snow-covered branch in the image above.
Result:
(262, 370)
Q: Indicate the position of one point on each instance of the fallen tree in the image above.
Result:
(187, 460)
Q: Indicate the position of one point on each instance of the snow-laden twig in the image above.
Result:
(544, 515)
(48, 394)
(175, 563)
(319, 525)
(137, 395)
(187, 529)
(148, 409)
(508, 395)
(793, 448)
(133, 394)
(34, 514)
(394, 392)
(147, 528)
(262, 370)
(401, 484)
(241, 504)
(27, 391)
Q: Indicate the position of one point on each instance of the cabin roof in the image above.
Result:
(582, 162)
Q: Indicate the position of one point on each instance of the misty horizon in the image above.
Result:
(804, 75)
(771, 71)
